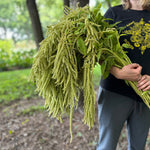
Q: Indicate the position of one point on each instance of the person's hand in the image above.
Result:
(131, 72)
(144, 83)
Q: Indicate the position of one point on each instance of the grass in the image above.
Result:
(14, 85)
(31, 110)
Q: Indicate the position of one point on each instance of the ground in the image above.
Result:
(37, 131)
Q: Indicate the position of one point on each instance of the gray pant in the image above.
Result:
(113, 111)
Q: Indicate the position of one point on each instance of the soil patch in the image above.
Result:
(40, 132)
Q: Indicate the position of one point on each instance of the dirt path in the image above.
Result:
(39, 132)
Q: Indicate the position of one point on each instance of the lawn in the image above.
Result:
(14, 85)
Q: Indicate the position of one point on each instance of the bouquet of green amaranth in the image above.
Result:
(65, 61)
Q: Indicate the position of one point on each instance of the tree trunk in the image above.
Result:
(35, 19)
(5, 32)
(82, 3)
(67, 3)
(108, 3)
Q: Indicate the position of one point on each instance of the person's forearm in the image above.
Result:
(131, 72)
(116, 72)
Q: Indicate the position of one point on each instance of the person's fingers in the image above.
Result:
(139, 68)
(142, 79)
(131, 72)
(147, 88)
(142, 85)
(134, 65)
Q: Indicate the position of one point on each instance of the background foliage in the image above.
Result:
(17, 47)
(15, 22)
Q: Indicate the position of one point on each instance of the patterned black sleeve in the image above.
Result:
(109, 14)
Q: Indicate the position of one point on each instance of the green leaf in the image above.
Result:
(97, 9)
(145, 92)
(110, 36)
(125, 45)
(127, 83)
(103, 67)
(81, 46)
(99, 54)
(10, 132)
(106, 65)
(24, 122)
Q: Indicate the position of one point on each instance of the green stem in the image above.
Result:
(119, 58)
(145, 97)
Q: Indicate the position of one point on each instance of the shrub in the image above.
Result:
(22, 59)
(5, 53)
(16, 59)
(6, 46)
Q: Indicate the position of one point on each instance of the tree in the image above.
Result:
(50, 12)
(67, 3)
(108, 3)
(14, 20)
(82, 3)
(35, 19)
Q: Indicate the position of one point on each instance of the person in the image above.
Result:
(117, 102)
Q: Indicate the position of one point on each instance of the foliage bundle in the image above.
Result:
(65, 61)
